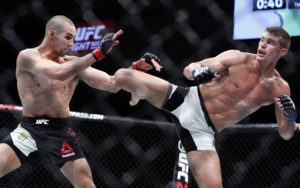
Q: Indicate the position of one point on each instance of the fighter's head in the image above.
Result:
(274, 44)
(285, 39)
(60, 33)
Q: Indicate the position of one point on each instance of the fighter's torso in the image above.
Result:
(45, 97)
(240, 92)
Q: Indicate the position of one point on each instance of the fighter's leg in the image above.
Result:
(143, 85)
(78, 172)
(205, 167)
(9, 161)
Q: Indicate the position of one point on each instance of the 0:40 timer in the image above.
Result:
(268, 4)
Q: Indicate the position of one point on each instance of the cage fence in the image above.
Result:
(127, 152)
(132, 152)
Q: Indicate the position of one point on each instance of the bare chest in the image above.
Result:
(242, 94)
(247, 86)
(57, 85)
(254, 94)
(41, 86)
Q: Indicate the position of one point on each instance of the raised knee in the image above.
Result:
(122, 76)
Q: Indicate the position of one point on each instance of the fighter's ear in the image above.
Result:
(283, 52)
(50, 34)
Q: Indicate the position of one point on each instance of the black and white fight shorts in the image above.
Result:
(45, 137)
(187, 109)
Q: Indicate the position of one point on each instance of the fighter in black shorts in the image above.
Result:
(52, 137)
(46, 80)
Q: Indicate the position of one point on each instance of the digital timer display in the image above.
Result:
(268, 4)
(252, 17)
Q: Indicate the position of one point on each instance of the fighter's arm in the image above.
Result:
(285, 112)
(218, 63)
(30, 60)
(99, 80)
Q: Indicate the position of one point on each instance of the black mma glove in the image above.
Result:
(203, 74)
(106, 43)
(147, 56)
(289, 108)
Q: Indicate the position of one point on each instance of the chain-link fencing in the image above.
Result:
(125, 152)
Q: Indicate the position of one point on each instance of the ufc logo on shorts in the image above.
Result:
(183, 167)
(84, 33)
(42, 121)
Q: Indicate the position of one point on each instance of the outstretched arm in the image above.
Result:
(102, 81)
(285, 111)
(30, 60)
(99, 80)
(286, 116)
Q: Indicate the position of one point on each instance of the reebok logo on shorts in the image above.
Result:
(67, 150)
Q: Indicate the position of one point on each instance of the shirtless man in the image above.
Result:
(241, 83)
(46, 80)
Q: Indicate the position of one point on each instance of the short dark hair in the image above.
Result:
(56, 23)
(285, 40)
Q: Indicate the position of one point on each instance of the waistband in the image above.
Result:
(46, 122)
(207, 118)
(175, 99)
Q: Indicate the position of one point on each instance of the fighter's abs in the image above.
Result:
(230, 104)
(48, 100)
